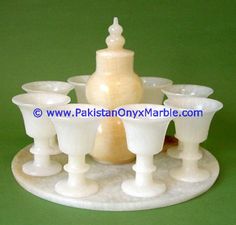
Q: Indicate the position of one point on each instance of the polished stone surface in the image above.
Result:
(109, 177)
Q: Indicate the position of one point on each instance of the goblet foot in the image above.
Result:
(126, 161)
(32, 169)
(197, 175)
(76, 191)
(150, 190)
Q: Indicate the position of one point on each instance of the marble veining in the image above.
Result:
(109, 177)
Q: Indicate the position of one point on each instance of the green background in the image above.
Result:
(185, 40)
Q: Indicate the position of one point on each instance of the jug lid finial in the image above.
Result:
(115, 40)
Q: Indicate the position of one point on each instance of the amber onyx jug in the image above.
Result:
(113, 84)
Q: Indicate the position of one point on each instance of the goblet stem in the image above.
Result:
(41, 146)
(190, 156)
(176, 151)
(190, 166)
(76, 168)
(144, 168)
(190, 151)
(190, 171)
(41, 165)
(54, 144)
(143, 184)
(42, 160)
(42, 151)
(76, 185)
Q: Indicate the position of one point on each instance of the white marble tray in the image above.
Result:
(110, 196)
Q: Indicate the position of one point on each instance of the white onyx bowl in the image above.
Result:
(59, 87)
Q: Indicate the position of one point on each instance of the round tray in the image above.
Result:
(109, 177)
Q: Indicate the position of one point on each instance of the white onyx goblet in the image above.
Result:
(79, 83)
(59, 87)
(192, 131)
(145, 138)
(76, 137)
(152, 89)
(33, 107)
(179, 91)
